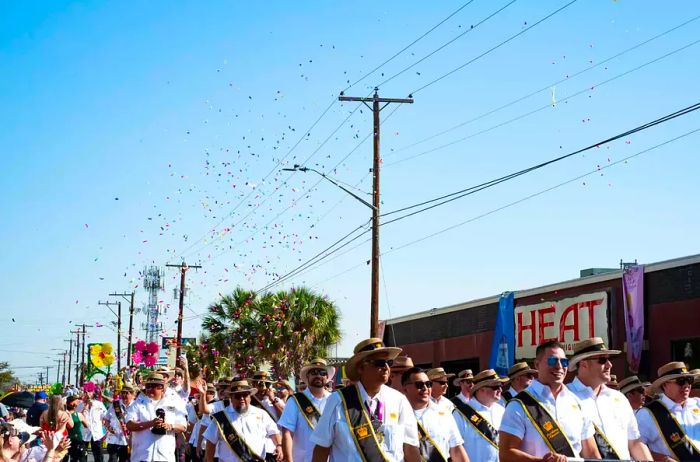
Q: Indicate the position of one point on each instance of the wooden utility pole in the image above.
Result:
(183, 270)
(81, 364)
(131, 321)
(118, 314)
(77, 355)
(70, 361)
(377, 105)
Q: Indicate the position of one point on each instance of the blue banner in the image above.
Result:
(503, 346)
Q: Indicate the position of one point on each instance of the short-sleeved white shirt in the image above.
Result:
(293, 420)
(255, 427)
(688, 416)
(116, 436)
(443, 404)
(398, 421)
(611, 412)
(95, 430)
(566, 410)
(145, 446)
(477, 447)
(440, 426)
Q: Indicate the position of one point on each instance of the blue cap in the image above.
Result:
(41, 395)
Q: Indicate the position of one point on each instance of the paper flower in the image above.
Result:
(152, 348)
(150, 361)
(107, 348)
(136, 357)
(97, 361)
(95, 350)
(140, 345)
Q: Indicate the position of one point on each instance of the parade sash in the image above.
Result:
(360, 426)
(258, 403)
(506, 396)
(307, 409)
(481, 425)
(606, 449)
(675, 438)
(545, 424)
(119, 412)
(235, 442)
(429, 451)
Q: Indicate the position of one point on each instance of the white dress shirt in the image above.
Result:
(95, 429)
(688, 416)
(611, 412)
(443, 404)
(399, 425)
(116, 436)
(565, 409)
(478, 448)
(461, 396)
(294, 420)
(146, 446)
(255, 427)
(440, 426)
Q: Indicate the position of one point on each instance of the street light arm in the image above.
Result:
(298, 168)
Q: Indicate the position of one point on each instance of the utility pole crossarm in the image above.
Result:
(379, 100)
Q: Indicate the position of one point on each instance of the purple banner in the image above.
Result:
(633, 294)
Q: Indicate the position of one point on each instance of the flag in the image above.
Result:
(503, 345)
(633, 296)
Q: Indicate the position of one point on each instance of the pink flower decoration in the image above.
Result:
(152, 348)
(136, 357)
(89, 386)
(140, 345)
(150, 361)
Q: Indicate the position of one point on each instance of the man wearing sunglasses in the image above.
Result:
(439, 437)
(673, 418)
(367, 421)
(465, 382)
(545, 421)
(303, 410)
(153, 419)
(520, 376)
(616, 432)
(633, 389)
(441, 381)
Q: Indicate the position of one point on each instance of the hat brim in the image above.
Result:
(380, 353)
(305, 370)
(573, 362)
(248, 391)
(523, 372)
(633, 386)
(489, 383)
(457, 381)
(658, 383)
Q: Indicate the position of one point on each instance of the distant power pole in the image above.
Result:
(118, 314)
(376, 109)
(82, 352)
(77, 356)
(183, 270)
(131, 321)
(70, 360)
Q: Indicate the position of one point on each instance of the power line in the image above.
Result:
(588, 88)
(449, 42)
(490, 50)
(545, 88)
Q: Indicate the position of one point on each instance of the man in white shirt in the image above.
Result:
(382, 424)
(529, 428)
(241, 430)
(153, 419)
(465, 382)
(115, 423)
(302, 411)
(439, 437)
(94, 411)
(479, 419)
(520, 376)
(441, 381)
(633, 389)
(670, 425)
(196, 441)
(264, 395)
(616, 432)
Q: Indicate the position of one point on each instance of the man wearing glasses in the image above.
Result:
(153, 420)
(367, 421)
(478, 420)
(670, 425)
(520, 376)
(440, 380)
(439, 437)
(303, 410)
(240, 432)
(616, 432)
(465, 382)
(545, 422)
(633, 389)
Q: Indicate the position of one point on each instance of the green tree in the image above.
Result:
(7, 377)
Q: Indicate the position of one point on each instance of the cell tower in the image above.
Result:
(153, 283)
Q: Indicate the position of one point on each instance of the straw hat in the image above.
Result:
(671, 371)
(518, 369)
(211, 388)
(262, 376)
(369, 348)
(316, 363)
(613, 382)
(402, 363)
(590, 348)
(487, 378)
(466, 374)
(696, 373)
(437, 373)
(631, 383)
(156, 378)
(165, 371)
(223, 382)
(129, 387)
(240, 386)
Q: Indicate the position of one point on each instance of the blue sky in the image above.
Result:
(131, 129)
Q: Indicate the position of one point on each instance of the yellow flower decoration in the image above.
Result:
(108, 360)
(97, 361)
(107, 348)
(95, 350)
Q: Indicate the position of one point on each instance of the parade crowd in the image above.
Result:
(384, 410)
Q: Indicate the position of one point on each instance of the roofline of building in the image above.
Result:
(658, 266)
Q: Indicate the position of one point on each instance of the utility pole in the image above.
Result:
(70, 361)
(376, 109)
(118, 314)
(131, 321)
(81, 354)
(183, 269)
(77, 356)
(58, 369)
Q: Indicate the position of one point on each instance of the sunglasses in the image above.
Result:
(319, 372)
(381, 362)
(421, 385)
(684, 381)
(495, 387)
(441, 382)
(153, 385)
(600, 360)
(552, 361)
(240, 396)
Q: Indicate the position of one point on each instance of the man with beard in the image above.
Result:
(670, 425)
(240, 431)
(439, 437)
(616, 432)
(521, 376)
(303, 410)
(115, 422)
(367, 421)
(545, 421)
(153, 420)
